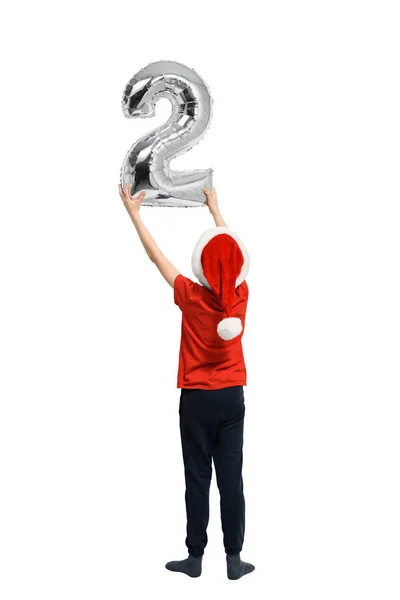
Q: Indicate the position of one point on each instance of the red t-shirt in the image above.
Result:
(206, 361)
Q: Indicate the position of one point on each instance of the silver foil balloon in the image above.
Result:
(147, 164)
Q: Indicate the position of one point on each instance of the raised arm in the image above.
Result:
(212, 203)
(132, 205)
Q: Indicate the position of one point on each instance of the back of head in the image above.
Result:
(221, 263)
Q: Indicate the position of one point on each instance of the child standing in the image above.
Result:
(211, 375)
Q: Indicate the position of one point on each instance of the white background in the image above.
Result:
(305, 147)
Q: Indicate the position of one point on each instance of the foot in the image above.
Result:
(191, 566)
(237, 567)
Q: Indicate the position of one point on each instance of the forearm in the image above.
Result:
(219, 221)
(152, 250)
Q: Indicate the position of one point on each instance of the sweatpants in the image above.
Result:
(211, 426)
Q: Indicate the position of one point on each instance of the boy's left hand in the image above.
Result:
(131, 203)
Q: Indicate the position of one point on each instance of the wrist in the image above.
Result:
(135, 216)
(214, 211)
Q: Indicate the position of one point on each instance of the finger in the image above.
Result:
(206, 191)
(128, 190)
(140, 197)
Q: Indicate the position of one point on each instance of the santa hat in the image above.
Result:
(221, 263)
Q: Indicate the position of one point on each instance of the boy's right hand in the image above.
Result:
(211, 200)
(212, 203)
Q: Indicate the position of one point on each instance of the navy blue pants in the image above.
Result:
(211, 425)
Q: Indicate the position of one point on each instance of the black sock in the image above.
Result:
(191, 566)
(236, 567)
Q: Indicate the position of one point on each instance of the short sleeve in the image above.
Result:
(182, 289)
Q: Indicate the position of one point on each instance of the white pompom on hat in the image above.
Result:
(221, 262)
(229, 328)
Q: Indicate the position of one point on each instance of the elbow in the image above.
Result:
(155, 257)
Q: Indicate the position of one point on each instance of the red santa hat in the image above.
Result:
(221, 262)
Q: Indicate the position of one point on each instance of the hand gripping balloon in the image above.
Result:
(147, 165)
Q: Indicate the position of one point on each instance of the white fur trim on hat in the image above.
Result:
(207, 236)
(229, 328)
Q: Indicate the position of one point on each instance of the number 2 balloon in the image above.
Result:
(147, 164)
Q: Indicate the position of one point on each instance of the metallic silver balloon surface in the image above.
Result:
(146, 166)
